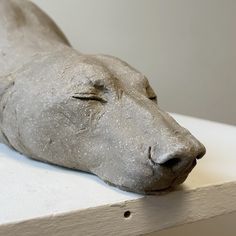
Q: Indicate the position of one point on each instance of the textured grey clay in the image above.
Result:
(88, 112)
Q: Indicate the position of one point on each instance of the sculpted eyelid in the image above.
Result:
(85, 93)
(89, 96)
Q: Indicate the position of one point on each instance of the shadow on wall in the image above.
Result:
(186, 48)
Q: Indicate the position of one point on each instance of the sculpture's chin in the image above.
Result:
(155, 190)
(177, 181)
(159, 186)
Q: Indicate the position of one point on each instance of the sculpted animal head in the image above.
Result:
(91, 113)
(98, 114)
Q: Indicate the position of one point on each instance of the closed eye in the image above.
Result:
(150, 93)
(89, 96)
(153, 98)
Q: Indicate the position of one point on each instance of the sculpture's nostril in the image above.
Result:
(166, 160)
(177, 159)
(171, 162)
(177, 162)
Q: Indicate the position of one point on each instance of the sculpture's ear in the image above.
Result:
(6, 82)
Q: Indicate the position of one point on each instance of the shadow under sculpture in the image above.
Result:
(93, 113)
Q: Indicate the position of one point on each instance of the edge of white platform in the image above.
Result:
(176, 208)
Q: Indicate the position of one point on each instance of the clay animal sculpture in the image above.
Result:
(94, 113)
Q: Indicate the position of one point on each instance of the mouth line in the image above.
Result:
(182, 175)
(189, 168)
(186, 170)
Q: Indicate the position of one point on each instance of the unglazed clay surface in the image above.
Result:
(93, 113)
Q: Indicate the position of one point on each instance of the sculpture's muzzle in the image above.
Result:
(149, 150)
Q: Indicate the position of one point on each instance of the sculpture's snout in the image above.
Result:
(179, 157)
(155, 151)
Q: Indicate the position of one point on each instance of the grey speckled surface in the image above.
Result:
(89, 112)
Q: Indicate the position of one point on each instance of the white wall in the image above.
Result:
(185, 47)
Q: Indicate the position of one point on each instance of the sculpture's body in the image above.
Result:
(89, 112)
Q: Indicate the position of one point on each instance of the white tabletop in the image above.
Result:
(31, 189)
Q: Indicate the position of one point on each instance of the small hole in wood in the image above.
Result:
(127, 214)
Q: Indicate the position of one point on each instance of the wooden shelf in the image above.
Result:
(41, 199)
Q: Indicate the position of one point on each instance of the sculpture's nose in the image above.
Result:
(179, 159)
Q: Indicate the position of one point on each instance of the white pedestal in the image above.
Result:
(42, 199)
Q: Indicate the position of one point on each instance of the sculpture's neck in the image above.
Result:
(25, 31)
